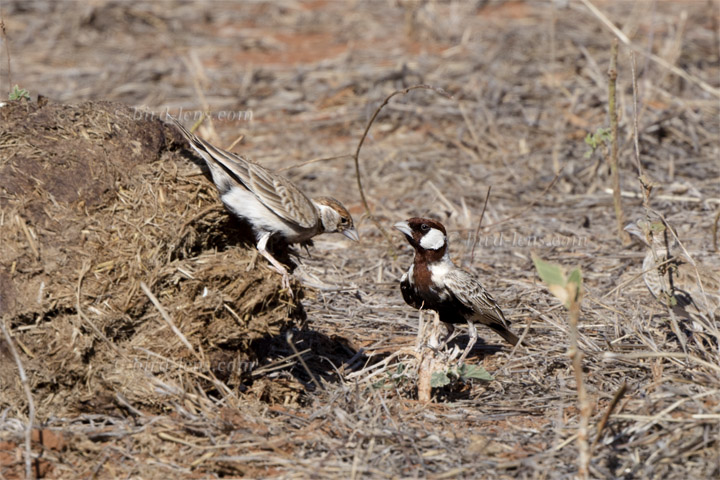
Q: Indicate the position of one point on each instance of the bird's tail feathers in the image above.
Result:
(186, 133)
(224, 169)
(198, 144)
(505, 333)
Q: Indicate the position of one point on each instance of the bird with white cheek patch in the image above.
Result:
(270, 203)
(433, 282)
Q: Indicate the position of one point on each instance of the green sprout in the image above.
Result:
(393, 380)
(595, 140)
(463, 372)
(18, 93)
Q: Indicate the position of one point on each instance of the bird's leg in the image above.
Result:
(450, 334)
(471, 343)
(279, 267)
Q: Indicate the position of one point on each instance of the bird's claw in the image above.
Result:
(286, 284)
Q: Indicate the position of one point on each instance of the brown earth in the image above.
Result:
(95, 199)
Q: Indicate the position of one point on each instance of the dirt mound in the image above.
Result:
(94, 203)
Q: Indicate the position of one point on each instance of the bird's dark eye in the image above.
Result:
(343, 221)
(424, 227)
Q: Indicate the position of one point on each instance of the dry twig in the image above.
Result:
(585, 407)
(613, 154)
(613, 403)
(314, 160)
(289, 338)
(356, 156)
(3, 33)
(181, 336)
(28, 396)
(477, 230)
(167, 319)
(644, 184)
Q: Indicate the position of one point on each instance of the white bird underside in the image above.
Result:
(246, 205)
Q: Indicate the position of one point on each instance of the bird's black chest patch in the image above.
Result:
(419, 291)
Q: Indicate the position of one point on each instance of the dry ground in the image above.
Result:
(529, 81)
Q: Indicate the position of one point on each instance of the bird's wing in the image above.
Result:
(685, 278)
(468, 291)
(282, 196)
(274, 191)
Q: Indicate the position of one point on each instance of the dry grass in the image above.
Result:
(529, 82)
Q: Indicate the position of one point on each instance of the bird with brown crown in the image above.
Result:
(434, 282)
(672, 277)
(271, 204)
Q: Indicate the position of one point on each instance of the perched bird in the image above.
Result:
(671, 277)
(433, 282)
(272, 205)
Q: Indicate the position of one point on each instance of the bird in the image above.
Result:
(671, 277)
(434, 282)
(271, 204)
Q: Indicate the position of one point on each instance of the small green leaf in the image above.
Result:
(593, 140)
(439, 379)
(566, 289)
(573, 287)
(605, 134)
(18, 93)
(575, 277)
(474, 371)
(657, 227)
(550, 273)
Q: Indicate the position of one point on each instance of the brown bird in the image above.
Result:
(671, 276)
(271, 204)
(433, 282)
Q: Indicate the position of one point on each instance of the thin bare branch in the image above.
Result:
(3, 34)
(613, 154)
(28, 395)
(583, 402)
(289, 338)
(314, 160)
(477, 230)
(619, 394)
(167, 318)
(356, 157)
(715, 231)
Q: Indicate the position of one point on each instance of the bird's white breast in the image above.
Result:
(438, 271)
(245, 204)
